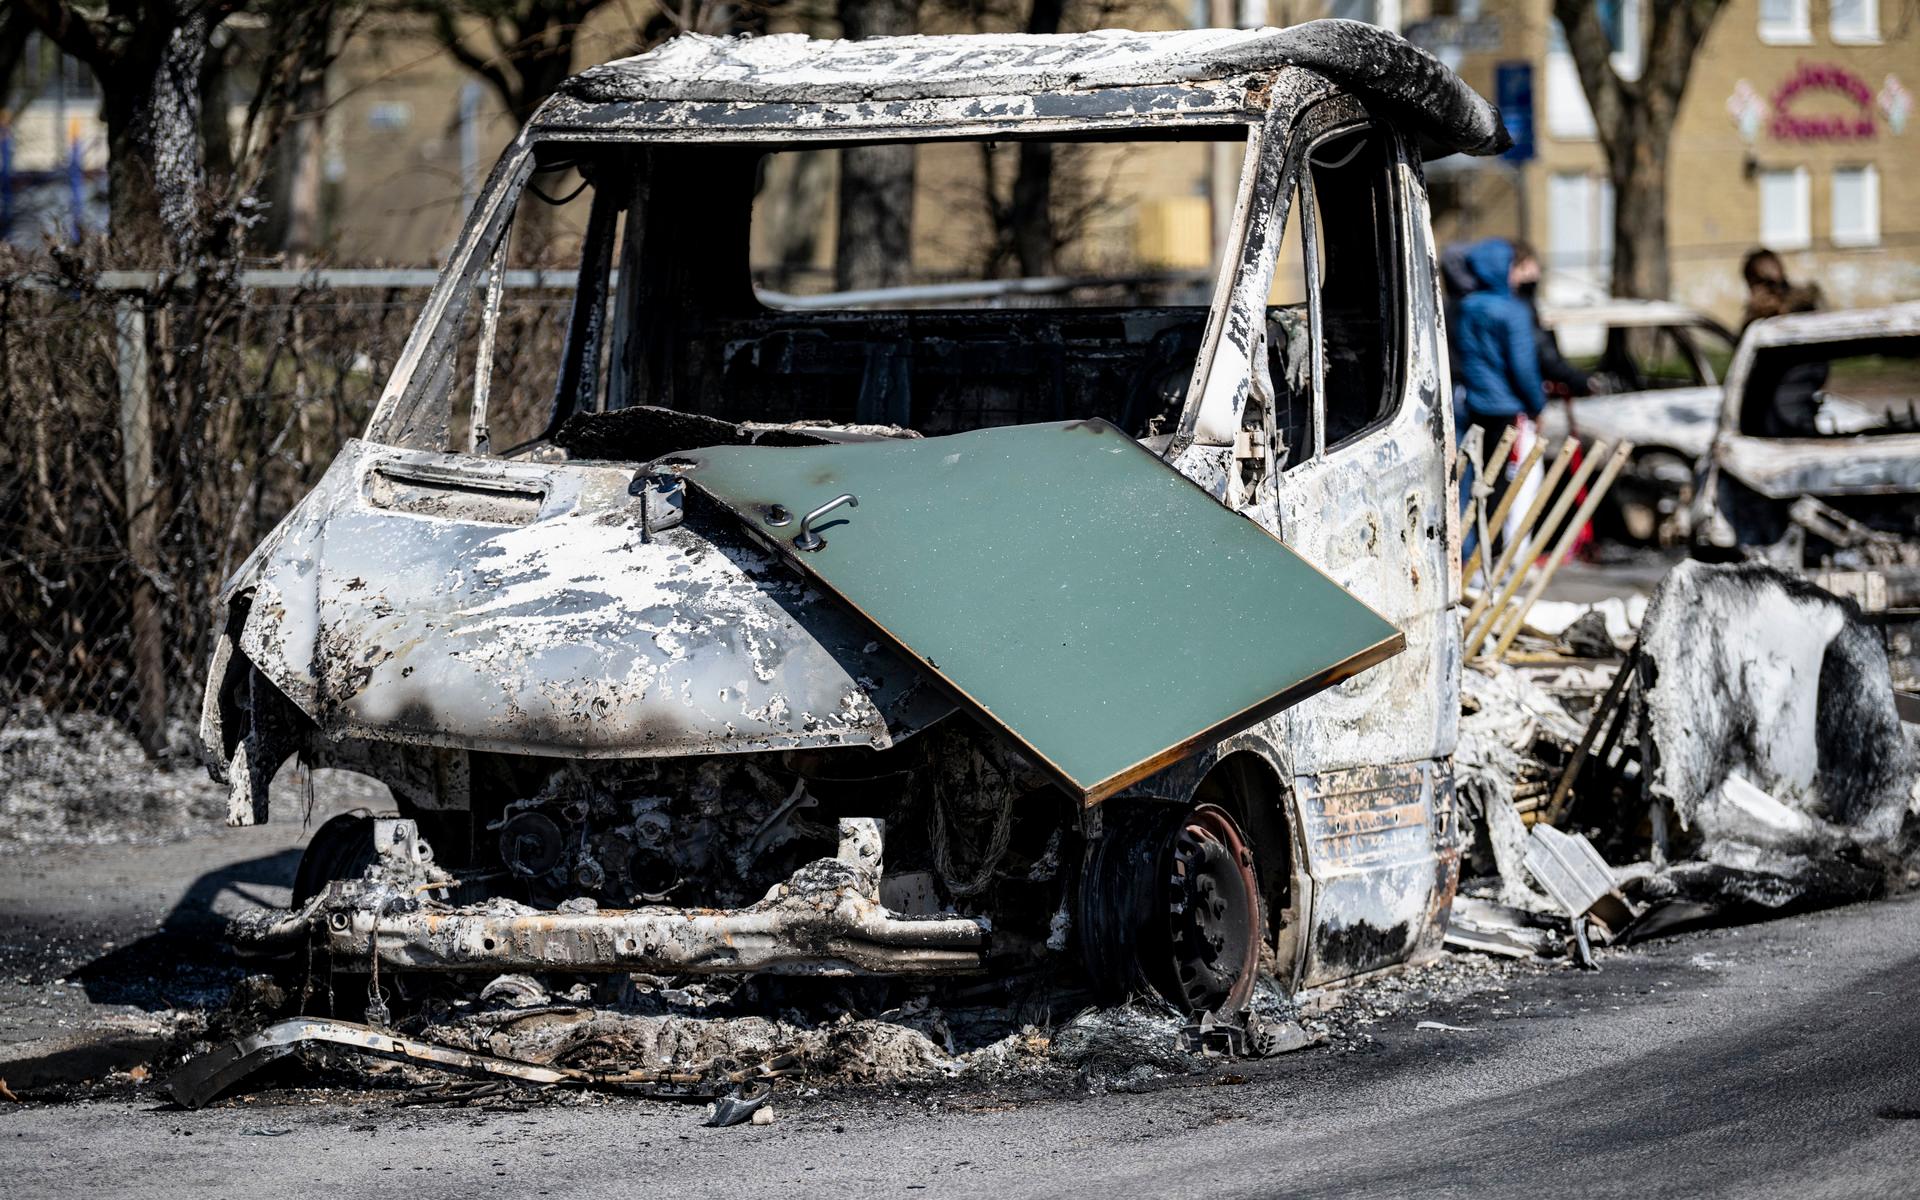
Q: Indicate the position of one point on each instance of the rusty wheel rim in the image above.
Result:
(1213, 912)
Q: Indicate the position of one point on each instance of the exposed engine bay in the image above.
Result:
(726, 863)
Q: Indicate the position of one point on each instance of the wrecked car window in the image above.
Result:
(1644, 359)
(1833, 389)
(987, 318)
(1014, 223)
(543, 340)
(1290, 345)
(519, 360)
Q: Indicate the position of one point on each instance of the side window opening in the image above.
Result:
(1861, 386)
(1290, 345)
(1358, 286)
(1337, 280)
(1648, 358)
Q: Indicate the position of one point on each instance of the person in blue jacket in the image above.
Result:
(1498, 348)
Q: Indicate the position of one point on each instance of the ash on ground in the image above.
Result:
(824, 1046)
(82, 778)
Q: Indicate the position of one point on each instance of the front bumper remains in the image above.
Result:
(825, 919)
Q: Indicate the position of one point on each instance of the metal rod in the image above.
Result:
(383, 278)
(1522, 532)
(1512, 493)
(479, 438)
(1565, 543)
(1603, 715)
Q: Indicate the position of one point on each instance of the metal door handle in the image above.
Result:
(807, 539)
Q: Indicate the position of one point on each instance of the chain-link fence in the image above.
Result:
(150, 436)
(153, 430)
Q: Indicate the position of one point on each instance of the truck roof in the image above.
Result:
(697, 81)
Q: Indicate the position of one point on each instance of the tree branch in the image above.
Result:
(486, 68)
(1678, 31)
(1607, 94)
(70, 30)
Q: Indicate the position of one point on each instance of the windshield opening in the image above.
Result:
(953, 285)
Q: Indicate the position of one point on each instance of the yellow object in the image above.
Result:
(1174, 232)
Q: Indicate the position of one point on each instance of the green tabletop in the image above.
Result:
(1065, 583)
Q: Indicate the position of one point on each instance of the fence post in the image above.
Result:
(136, 466)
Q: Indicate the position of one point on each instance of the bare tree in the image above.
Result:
(1635, 119)
(147, 56)
(522, 49)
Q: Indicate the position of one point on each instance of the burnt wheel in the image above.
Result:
(342, 848)
(1169, 900)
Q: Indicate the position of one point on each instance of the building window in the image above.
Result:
(1579, 237)
(1856, 206)
(1568, 115)
(1621, 19)
(1785, 22)
(1785, 220)
(1854, 22)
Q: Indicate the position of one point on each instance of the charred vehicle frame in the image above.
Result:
(626, 735)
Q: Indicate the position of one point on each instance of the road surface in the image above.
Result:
(1771, 1060)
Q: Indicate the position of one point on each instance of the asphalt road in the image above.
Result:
(1777, 1059)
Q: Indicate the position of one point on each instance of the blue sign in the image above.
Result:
(1513, 93)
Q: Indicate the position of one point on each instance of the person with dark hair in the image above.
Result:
(1497, 349)
(1794, 406)
(1769, 292)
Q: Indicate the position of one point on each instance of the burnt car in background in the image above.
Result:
(898, 642)
(1815, 458)
(1661, 365)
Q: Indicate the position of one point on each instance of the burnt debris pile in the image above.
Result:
(1741, 755)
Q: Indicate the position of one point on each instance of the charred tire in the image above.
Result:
(340, 849)
(1656, 485)
(1169, 901)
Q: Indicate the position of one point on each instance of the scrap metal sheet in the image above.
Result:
(1067, 585)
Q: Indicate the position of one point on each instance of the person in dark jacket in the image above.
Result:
(1456, 280)
(1783, 403)
(1498, 349)
(1499, 342)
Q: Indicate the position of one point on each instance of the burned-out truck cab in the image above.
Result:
(866, 635)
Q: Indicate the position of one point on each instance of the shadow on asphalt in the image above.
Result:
(187, 962)
(1714, 1114)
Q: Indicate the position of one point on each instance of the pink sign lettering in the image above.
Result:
(1839, 127)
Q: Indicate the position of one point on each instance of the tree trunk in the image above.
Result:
(1640, 257)
(133, 206)
(1635, 121)
(874, 242)
(1032, 212)
(155, 177)
(173, 127)
(216, 134)
(1032, 215)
